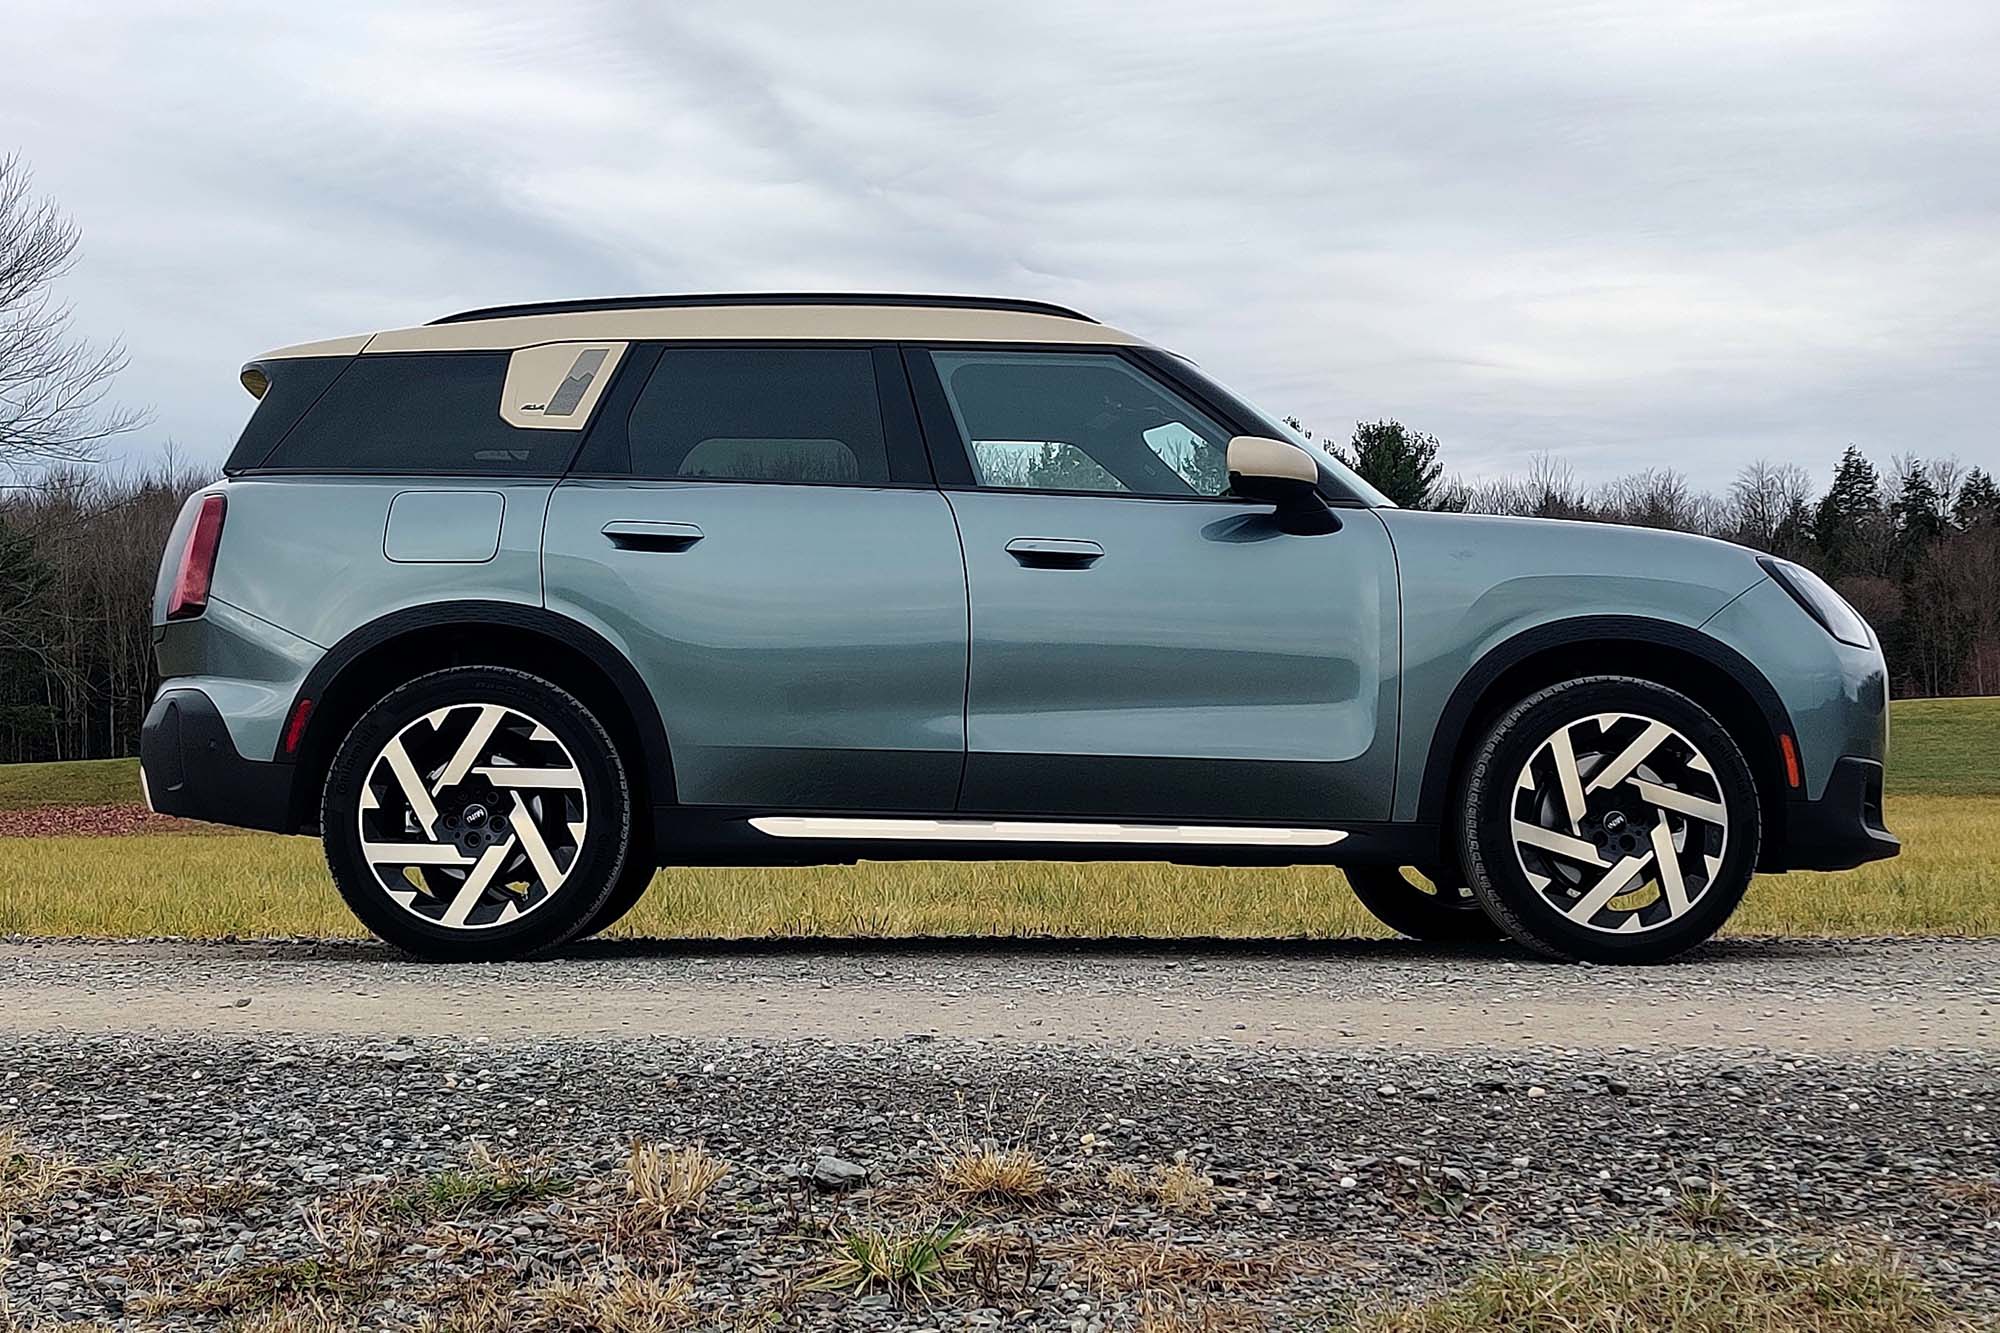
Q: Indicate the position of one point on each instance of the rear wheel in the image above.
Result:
(632, 884)
(1610, 819)
(1434, 904)
(477, 813)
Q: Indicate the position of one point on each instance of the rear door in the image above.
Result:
(758, 529)
(1144, 644)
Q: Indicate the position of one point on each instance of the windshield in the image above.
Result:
(1344, 479)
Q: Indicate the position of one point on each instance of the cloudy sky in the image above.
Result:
(1680, 233)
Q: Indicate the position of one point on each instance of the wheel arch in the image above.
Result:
(1710, 672)
(370, 661)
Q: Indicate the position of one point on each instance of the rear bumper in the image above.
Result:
(1843, 828)
(188, 766)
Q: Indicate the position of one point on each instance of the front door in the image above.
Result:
(759, 532)
(1145, 645)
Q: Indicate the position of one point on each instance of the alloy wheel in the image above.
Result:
(1619, 823)
(472, 816)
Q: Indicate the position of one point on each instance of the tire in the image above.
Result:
(632, 884)
(1436, 911)
(547, 845)
(1659, 856)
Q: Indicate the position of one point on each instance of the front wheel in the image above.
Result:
(1611, 820)
(477, 814)
(1435, 906)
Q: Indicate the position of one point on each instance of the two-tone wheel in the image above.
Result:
(1608, 819)
(481, 813)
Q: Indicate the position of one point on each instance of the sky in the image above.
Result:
(1632, 235)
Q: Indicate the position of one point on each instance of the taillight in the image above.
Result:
(198, 561)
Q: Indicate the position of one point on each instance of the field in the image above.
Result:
(1944, 802)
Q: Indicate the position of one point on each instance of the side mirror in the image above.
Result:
(1280, 473)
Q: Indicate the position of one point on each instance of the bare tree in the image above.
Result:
(52, 385)
(1770, 506)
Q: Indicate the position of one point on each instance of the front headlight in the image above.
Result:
(1820, 601)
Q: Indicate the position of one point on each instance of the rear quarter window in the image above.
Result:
(437, 412)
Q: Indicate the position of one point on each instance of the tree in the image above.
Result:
(1918, 511)
(25, 621)
(1978, 502)
(52, 386)
(1847, 512)
(1770, 508)
(1397, 461)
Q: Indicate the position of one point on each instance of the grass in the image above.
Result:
(1945, 803)
(1649, 1285)
(70, 782)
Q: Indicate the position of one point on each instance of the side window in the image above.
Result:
(1079, 421)
(801, 414)
(420, 412)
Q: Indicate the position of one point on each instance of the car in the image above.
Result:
(513, 608)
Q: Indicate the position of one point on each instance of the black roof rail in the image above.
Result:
(762, 298)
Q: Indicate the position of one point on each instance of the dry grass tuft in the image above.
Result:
(1650, 1285)
(1707, 1206)
(1978, 1197)
(666, 1183)
(1163, 1314)
(1173, 1188)
(29, 1177)
(299, 1286)
(988, 1173)
(610, 1303)
(1118, 1265)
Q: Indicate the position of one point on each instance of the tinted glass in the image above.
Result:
(293, 384)
(420, 413)
(1079, 421)
(803, 414)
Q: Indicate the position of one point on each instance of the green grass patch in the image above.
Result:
(1945, 747)
(72, 782)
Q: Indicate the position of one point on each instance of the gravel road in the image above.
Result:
(1380, 1116)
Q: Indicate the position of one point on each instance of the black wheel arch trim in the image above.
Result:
(1450, 740)
(316, 747)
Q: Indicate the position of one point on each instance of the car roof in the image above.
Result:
(835, 316)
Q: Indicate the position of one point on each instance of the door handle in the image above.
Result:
(1055, 552)
(640, 535)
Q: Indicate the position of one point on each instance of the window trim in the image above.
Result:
(952, 459)
(610, 437)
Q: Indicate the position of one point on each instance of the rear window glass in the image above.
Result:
(799, 414)
(420, 413)
(292, 384)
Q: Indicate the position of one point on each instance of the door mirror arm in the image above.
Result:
(1279, 473)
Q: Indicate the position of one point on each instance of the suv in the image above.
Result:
(512, 608)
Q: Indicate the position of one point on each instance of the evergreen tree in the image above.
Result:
(1397, 461)
(1978, 501)
(1918, 512)
(1847, 511)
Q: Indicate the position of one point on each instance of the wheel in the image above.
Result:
(1609, 820)
(477, 813)
(1437, 906)
(632, 883)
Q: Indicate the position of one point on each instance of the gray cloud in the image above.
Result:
(1685, 237)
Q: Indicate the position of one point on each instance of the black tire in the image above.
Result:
(632, 884)
(513, 912)
(1692, 787)
(1438, 912)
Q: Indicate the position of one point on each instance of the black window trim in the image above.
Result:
(953, 464)
(910, 462)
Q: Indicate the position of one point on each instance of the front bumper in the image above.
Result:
(188, 766)
(1844, 827)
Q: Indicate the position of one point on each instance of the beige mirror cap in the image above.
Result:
(1260, 456)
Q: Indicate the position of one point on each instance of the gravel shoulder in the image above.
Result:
(1386, 1118)
(1824, 996)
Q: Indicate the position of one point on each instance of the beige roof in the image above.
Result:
(848, 319)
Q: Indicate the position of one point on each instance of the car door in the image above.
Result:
(1144, 644)
(758, 529)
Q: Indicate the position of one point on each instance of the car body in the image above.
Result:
(885, 577)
